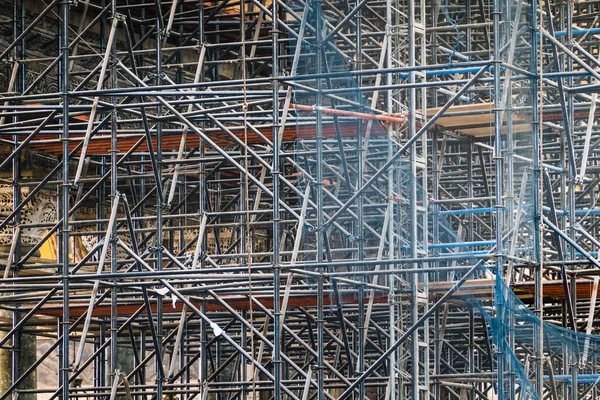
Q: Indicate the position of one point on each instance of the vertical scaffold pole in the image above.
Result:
(360, 156)
(17, 342)
(498, 165)
(389, 28)
(202, 200)
(276, 262)
(319, 198)
(160, 34)
(537, 190)
(412, 214)
(63, 206)
(114, 366)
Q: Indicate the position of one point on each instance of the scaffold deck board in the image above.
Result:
(484, 288)
(475, 120)
(100, 144)
(554, 289)
(237, 302)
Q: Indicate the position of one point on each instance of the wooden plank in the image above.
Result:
(237, 302)
(100, 144)
(480, 123)
(524, 290)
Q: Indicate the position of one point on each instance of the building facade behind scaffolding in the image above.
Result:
(294, 199)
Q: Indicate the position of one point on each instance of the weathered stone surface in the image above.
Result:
(5, 358)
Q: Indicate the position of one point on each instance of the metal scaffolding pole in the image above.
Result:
(299, 199)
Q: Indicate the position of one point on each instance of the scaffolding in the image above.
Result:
(294, 199)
